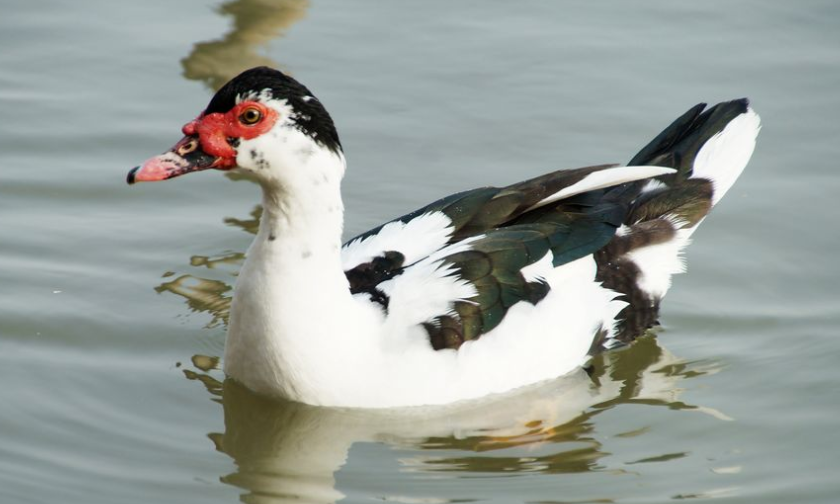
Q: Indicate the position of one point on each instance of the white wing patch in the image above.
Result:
(653, 185)
(540, 270)
(428, 289)
(423, 292)
(605, 178)
(415, 239)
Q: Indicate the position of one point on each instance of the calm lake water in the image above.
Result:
(113, 299)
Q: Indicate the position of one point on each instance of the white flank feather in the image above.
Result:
(658, 263)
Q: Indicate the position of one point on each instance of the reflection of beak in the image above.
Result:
(185, 157)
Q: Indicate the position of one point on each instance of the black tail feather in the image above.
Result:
(678, 145)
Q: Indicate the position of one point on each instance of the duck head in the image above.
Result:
(262, 123)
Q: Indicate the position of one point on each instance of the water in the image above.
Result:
(113, 299)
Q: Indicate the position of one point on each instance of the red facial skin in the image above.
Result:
(213, 130)
(211, 148)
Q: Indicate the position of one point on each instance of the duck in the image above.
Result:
(479, 293)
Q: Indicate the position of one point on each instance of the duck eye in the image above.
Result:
(187, 147)
(250, 116)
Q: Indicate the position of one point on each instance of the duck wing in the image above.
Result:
(457, 265)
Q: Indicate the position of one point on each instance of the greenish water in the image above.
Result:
(113, 299)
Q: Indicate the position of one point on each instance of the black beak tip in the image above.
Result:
(130, 178)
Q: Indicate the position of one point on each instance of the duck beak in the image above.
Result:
(185, 157)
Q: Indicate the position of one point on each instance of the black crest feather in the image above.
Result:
(311, 116)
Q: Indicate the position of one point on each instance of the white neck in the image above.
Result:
(292, 301)
(301, 226)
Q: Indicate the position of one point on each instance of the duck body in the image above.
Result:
(478, 293)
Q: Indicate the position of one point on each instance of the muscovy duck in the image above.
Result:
(478, 293)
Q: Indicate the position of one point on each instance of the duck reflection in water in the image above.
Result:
(256, 23)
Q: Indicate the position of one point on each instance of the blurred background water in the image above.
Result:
(113, 299)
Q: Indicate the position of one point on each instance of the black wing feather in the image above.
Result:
(494, 265)
(482, 210)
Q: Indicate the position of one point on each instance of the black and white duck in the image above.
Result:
(478, 293)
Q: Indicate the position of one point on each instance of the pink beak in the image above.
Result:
(185, 157)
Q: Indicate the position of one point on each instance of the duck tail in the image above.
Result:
(709, 149)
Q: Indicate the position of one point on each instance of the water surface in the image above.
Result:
(114, 299)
